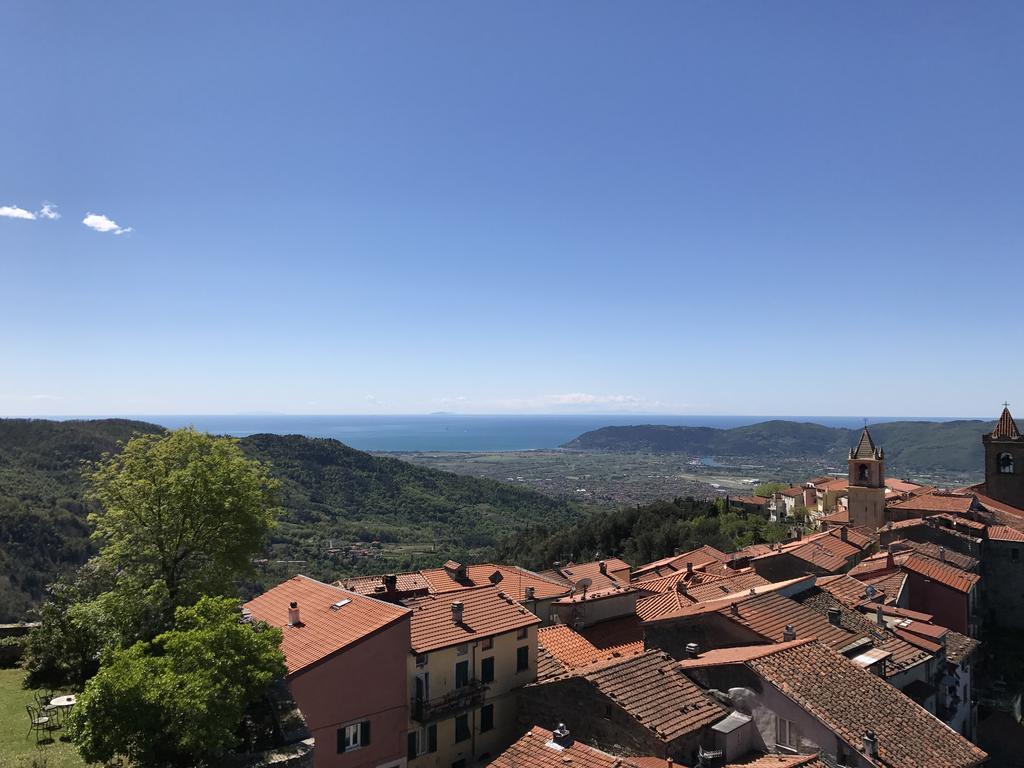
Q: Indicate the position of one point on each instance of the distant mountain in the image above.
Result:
(953, 446)
(333, 496)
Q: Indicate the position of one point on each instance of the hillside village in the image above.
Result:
(860, 641)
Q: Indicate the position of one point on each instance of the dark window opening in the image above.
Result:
(487, 670)
(523, 659)
(461, 728)
(486, 718)
(462, 674)
(1005, 462)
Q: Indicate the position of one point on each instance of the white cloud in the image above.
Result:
(48, 211)
(373, 400)
(14, 212)
(101, 223)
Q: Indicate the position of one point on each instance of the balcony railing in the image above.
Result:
(458, 700)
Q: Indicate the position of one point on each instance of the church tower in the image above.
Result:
(866, 494)
(1004, 461)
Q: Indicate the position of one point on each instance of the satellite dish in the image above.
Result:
(584, 584)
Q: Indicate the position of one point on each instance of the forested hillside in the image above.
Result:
(332, 495)
(910, 446)
(642, 534)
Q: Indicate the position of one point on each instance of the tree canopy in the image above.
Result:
(185, 509)
(180, 699)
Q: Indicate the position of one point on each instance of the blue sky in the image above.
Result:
(381, 207)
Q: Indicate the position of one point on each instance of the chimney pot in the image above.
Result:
(834, 616)
(689, 568)
(293, 614)
(870, 744)
(529, 593)
(879, 615)
(789, 633)
(843, 534)
(561, 735)
(602, 567)
(692, 650)
(681, 587)
(391, 582)
(735, 608)
(457, 609)
(942, 554)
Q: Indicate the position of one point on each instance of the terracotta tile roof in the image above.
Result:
(845, 589)
(621, 636)
(923, 643)
(890, 584)
(574, 572)
(901, 486)
(753, 550)
(877, 564)
(959, 647)
(729, 585)
(793, 491)
(898, 525)
(838, 484)
(671, 582)
(654, 691)
(573, 649)
(865, 447)
(826, 552)
(485, 614)
(1006, 427)
(549, 667)
(537, 749)
(782, 761)
(325, 630)
(901, 654)
(839, 518)
(893, 610)
(700, 556)
(950, 575)
(934, 502)
(661, 604)
(513, 580)
(759, 501)
(769, 614)
(851, 701)
(370, 585)
(1004, 533)
(936, 552)
(738, 655)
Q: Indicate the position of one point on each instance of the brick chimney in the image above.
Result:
(879, 615)
(844, 534)
(788, 634)
(457, 609)
(834, 617)
(889, 562)
(689, 568)
(692, 650)
(602, 567)
(530, 592)
(293, 614)
(391, 582)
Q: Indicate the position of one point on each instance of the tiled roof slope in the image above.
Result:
(729, 585)
(698, 557)
(904, 654)
(485, 614)
(548, 667)
(1006, 427)
(324, 630)
(574, 572)
(368, 585)
(828, 553)
(573, 650)
(514, 580)
(844, 588)
(670, 582)
(936, 552)
(851, 701)
(865, 446)
(890, 583)
(782, 761)
(1004, 533)
(739, 655)
(934, 502)
(536, 749)
(950, 575)
(768, 615)
(623, 635)
(654, 691)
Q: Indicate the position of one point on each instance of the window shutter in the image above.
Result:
(364, 733)
(432, 738)
(412, 745)
(341, 740)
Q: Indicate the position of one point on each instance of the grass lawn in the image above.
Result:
(17, 746)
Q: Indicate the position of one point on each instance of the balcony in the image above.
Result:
(458, 700)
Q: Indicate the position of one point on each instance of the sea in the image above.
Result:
(468, 433)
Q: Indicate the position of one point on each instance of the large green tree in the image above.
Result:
(187, 510)
(180, 699)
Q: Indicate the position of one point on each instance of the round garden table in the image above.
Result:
(63, 702)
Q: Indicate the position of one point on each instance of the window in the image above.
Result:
(462, 650)
(422, 686)
(785, 733)
(1005, 462)
(353, 736)
(487, 670)
(421, 659)
(523, 633)
(462, 674)
(461, 728)
(523, 659)
(486, 718)
(486, 644)
(863, 471)
(422, 741)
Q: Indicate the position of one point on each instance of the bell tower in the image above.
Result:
(1004, 461)
(866, 493)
